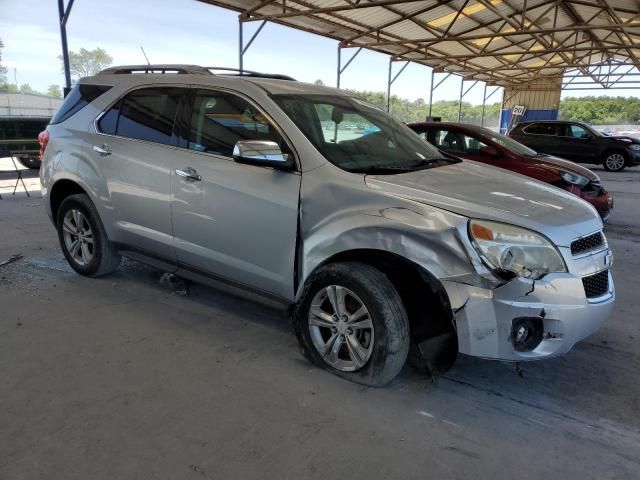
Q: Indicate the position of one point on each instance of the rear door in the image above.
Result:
(135, 152)
(237, 222)
(541, 137)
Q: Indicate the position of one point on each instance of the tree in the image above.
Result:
(86, 63)
(318, 82)
(3, 69)
(54, 91)
(26, 88)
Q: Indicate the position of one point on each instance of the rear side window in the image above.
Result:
(541, 129)
(79, 97)
(145, 114)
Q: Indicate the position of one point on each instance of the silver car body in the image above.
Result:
(268, 230)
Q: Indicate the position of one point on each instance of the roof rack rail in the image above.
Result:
(251, 73)
(161, 68)
(188, 70)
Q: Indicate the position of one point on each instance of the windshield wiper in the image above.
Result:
(403, 168)
(383, 169)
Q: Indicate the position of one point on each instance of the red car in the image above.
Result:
(483, 145)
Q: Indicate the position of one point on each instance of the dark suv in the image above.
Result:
(579, 142)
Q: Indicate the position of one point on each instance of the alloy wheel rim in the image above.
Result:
(615, 161)
(341, 328)
(78, 236)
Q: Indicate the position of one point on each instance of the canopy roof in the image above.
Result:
(503, 42)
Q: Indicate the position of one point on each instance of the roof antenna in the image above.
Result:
(145, 55)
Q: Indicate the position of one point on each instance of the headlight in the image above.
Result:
(511, 251)
(634, 146)
(574, 178)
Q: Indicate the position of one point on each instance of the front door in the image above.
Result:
(235, 222)
(577, 143)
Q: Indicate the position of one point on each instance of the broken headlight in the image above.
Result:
(574, 178)
(510, 251)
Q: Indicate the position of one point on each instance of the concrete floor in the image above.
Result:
(122, 378)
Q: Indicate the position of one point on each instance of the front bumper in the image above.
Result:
(633, 158)
(484, 317)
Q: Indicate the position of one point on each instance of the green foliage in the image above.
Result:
(26, 88)
(417, 111)
(85, 63)
(54, 91)
(3, 69)
(601, 110)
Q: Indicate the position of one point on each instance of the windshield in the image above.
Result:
(508, 143)
(359, 137)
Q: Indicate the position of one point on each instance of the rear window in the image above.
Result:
(79, 97)
(541, 129)
(145, 114)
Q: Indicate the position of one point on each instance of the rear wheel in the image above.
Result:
(614, 161)
(83, 239)
(30, 162)
(351, 321)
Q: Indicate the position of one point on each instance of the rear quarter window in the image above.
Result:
(79, 97)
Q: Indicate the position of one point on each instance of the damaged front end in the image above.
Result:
(527, 319)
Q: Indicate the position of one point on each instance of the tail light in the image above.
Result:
(43, 139)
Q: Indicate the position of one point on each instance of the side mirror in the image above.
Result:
(489, 151)
(263, 153)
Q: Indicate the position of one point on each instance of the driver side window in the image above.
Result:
(220, 119)
(576, 131)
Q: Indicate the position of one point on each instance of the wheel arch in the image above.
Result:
(615, 149)
(60, 190)
(431, 321)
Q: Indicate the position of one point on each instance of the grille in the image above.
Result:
(584, 244)
(596, 285)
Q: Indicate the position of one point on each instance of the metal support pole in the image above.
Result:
(391, 80)
(244, 48)
(338, 70)
(240, 43)
(64, 16)
(500, 115)
(460, 101)
(389, 86)
(431, 93)
(341, 69)
(484, 101)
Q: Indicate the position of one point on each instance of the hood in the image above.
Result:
(623, 138)
(480, 191)
(554, 163)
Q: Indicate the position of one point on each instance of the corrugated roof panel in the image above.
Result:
(355, 18)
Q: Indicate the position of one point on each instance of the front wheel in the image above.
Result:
(352, 322)
(83, 239)
(614, 161)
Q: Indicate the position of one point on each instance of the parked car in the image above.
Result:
(379, 245)
(19, 135)
(483, 145)
(579, 142)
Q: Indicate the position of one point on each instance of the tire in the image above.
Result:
(381, 349)
(30, 162)
(614, 161)
(101, 257)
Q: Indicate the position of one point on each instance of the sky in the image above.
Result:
(188, 31)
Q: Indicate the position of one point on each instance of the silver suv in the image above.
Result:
(311, 198)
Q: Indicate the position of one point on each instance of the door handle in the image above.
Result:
(103, 149)
(189, 174)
